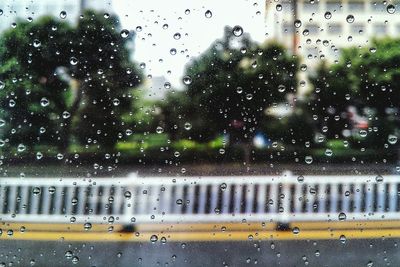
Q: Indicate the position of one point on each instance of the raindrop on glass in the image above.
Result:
(237, 31)
(63, 14)
(124, 33)
(391, 9)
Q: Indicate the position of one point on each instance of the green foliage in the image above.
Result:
(232, 83)
(61, 80)
(367, 79)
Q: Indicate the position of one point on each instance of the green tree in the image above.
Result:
(231, 84)
(60, 80)
(365, 78)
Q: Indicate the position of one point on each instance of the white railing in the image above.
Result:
(136, 199)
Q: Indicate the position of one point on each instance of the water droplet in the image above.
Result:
(153, 239)
(66, 114)
(12, 103)
(127, 194)
(106, 15)
(187, 126)
(52, 190)
(159, 129)
(73, 61)
(342, 216)
(172, 51)
(44, 102)
(221, 151)
(391, 9)
(328, 15)
(237, 31)
(167, 85)
(187, 11)
(21, 147)
(342, 239)
(36, 191)
(63, 14)
(379, 179)
(87, 226)
(239, 90)
(208, 14)
(68, 254)
(187, 80)
(328, 152)
(308, 159)
(278, 7)
(124, 33)
(350, 18)
(116, 102)
(39, 155)
(2, 85)
(296, 230)
(372, 50)
(363, 133)
(300, 179)
(75, 260)
(177, 36)
(281, 88)
(36, 43)
(392, 139)
(223, 186)
(297, 23)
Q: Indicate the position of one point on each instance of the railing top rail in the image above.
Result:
(133, 179)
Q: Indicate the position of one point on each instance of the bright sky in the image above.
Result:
(155, 40)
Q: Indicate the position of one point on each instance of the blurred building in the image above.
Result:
(11, 10)
(321, 28)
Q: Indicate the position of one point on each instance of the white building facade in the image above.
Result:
(324, 27)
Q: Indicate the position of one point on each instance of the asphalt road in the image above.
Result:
(361, 252)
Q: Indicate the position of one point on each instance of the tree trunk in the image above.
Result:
(72, 113)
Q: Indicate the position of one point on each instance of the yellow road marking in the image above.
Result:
(203, 236)
(346, 225)
(193, 227)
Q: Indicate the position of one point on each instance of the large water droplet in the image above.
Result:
(153, 239)
(44, 102)
(328, 15)
(187, 126)
(391, 9)
(308, 159)
(36, 43)
(350, 18)
(177, 36)
(21, 147)
(392, 139)
(124, 33)
(187, 80)
(208, 14)
(237, 31)
(159, 130)
(63, 14)
(73, 61)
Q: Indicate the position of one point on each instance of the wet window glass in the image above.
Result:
(199, 133)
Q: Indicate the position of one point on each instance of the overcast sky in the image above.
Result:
(155, 40)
